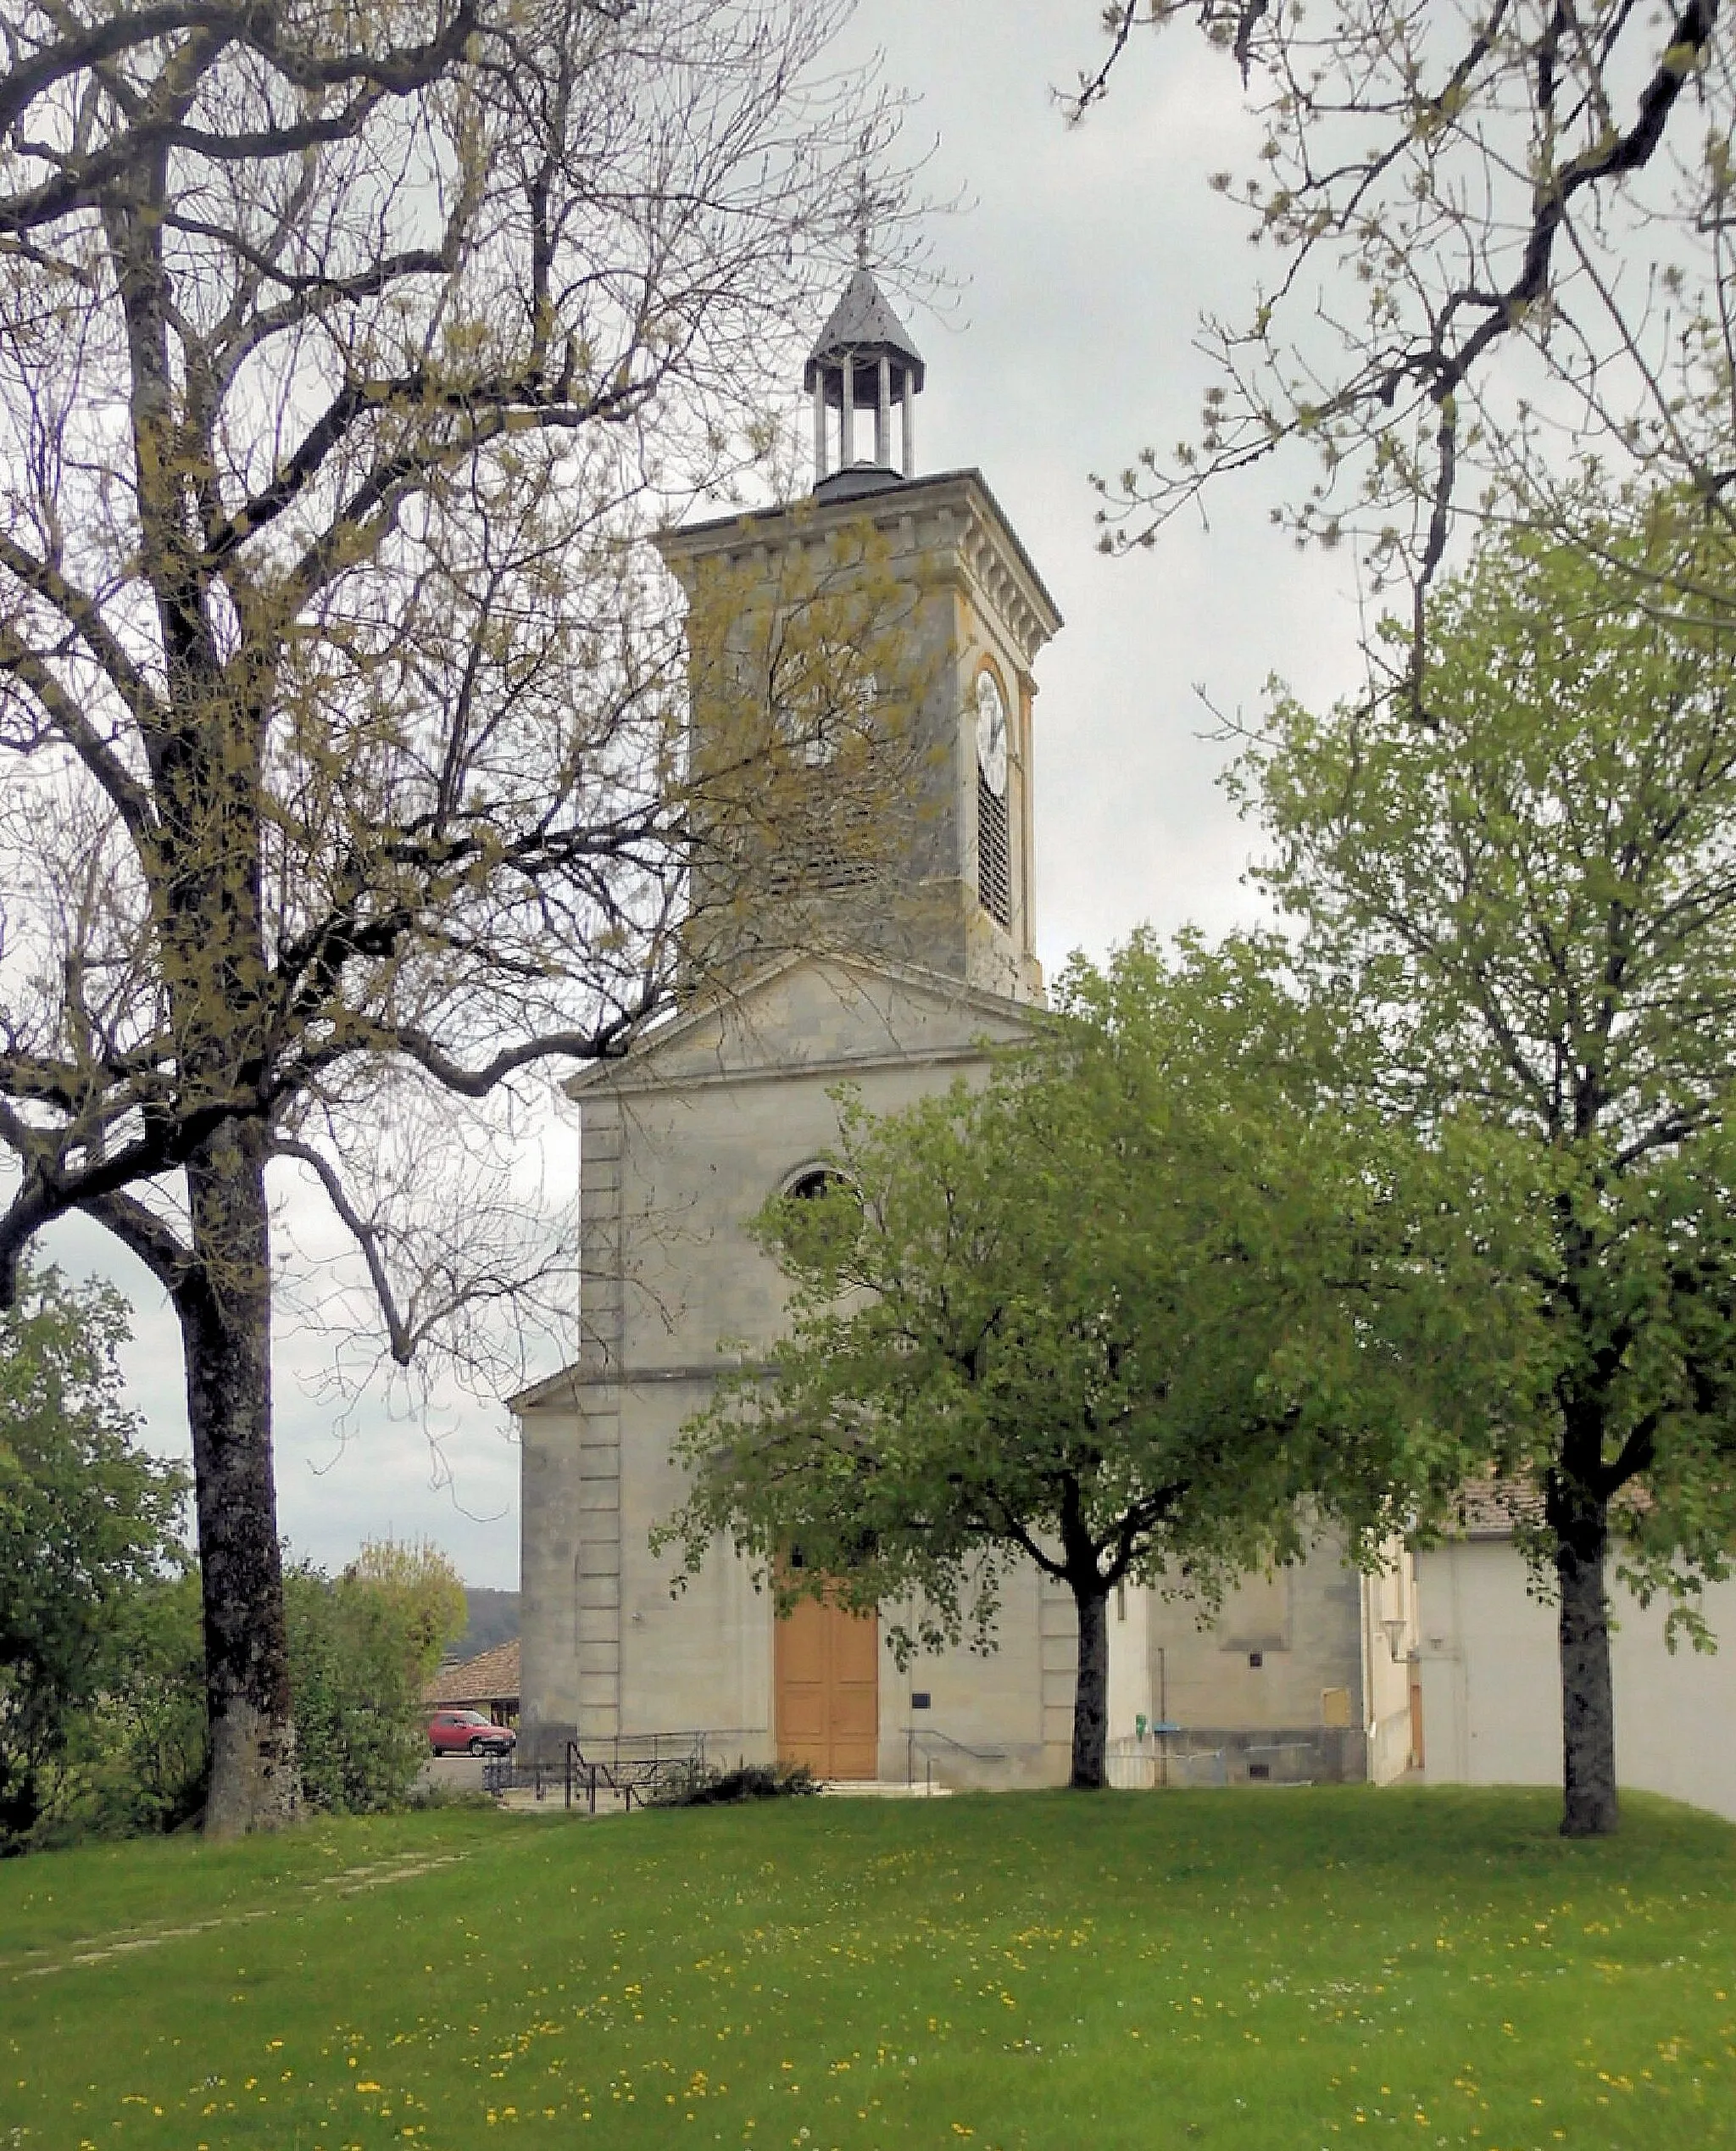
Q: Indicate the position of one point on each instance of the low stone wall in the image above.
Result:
(1211, 1755)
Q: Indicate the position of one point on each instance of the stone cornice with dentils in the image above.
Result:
(922, 516)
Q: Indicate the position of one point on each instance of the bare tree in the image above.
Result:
(1498, 236)
(345, 355)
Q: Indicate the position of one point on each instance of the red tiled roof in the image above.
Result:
(494, 1677)
(1493, 1509)
(1489, 1509)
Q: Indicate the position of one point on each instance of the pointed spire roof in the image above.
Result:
(863, 326)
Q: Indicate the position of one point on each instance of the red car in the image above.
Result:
(468, 1732)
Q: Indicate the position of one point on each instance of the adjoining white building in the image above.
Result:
(1306, 1675)
(1490, 1678)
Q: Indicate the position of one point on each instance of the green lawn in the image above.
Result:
(1285, 1969)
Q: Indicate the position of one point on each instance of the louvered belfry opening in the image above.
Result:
(995, 864)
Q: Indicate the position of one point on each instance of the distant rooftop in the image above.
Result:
(492, 1677)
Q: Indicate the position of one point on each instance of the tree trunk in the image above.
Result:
(1091, 1692)
(225, 1318)
(1588, 1698)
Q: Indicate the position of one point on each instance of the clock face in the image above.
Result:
(991, 732)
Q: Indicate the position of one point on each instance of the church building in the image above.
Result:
(896, 979)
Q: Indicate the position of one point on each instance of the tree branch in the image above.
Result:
(49, 1191)
(84, 617)
(151, 1238)
(130, 800)
(402, 1341)
(81, 181)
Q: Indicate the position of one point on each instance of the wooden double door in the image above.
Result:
(826, 1678)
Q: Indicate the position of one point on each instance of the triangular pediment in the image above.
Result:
(812, 1013)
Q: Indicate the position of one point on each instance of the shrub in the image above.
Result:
(88, 1533)
(356, 1675)
(713, 1788)
(141, 1754)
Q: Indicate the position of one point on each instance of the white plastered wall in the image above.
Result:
(1491, 1684)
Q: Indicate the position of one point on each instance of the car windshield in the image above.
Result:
(469, 1718)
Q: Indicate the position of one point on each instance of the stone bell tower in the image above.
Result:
(860, 721)
(918, 598)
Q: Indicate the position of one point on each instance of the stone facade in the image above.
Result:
(680, 1144)
(1305, 1674)
(896, 984)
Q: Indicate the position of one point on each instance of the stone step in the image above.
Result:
(883, 1789)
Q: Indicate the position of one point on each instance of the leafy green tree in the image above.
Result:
(424, 1589)
(1151, 1304)
(86, 1523)
(356, 1665)
(362, 1646)
(1528, 879)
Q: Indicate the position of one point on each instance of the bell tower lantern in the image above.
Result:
(972, 614)
(863, 360)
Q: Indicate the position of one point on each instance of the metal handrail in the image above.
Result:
(914, 1733)
(632, 1766)
(671, 1758)
(980, 1754)
(635, 1748)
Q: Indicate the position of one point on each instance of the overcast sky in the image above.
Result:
(1083, 257)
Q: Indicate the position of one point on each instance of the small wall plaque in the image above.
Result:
(919, 1700)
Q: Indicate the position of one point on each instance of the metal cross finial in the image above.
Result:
(863, 216)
